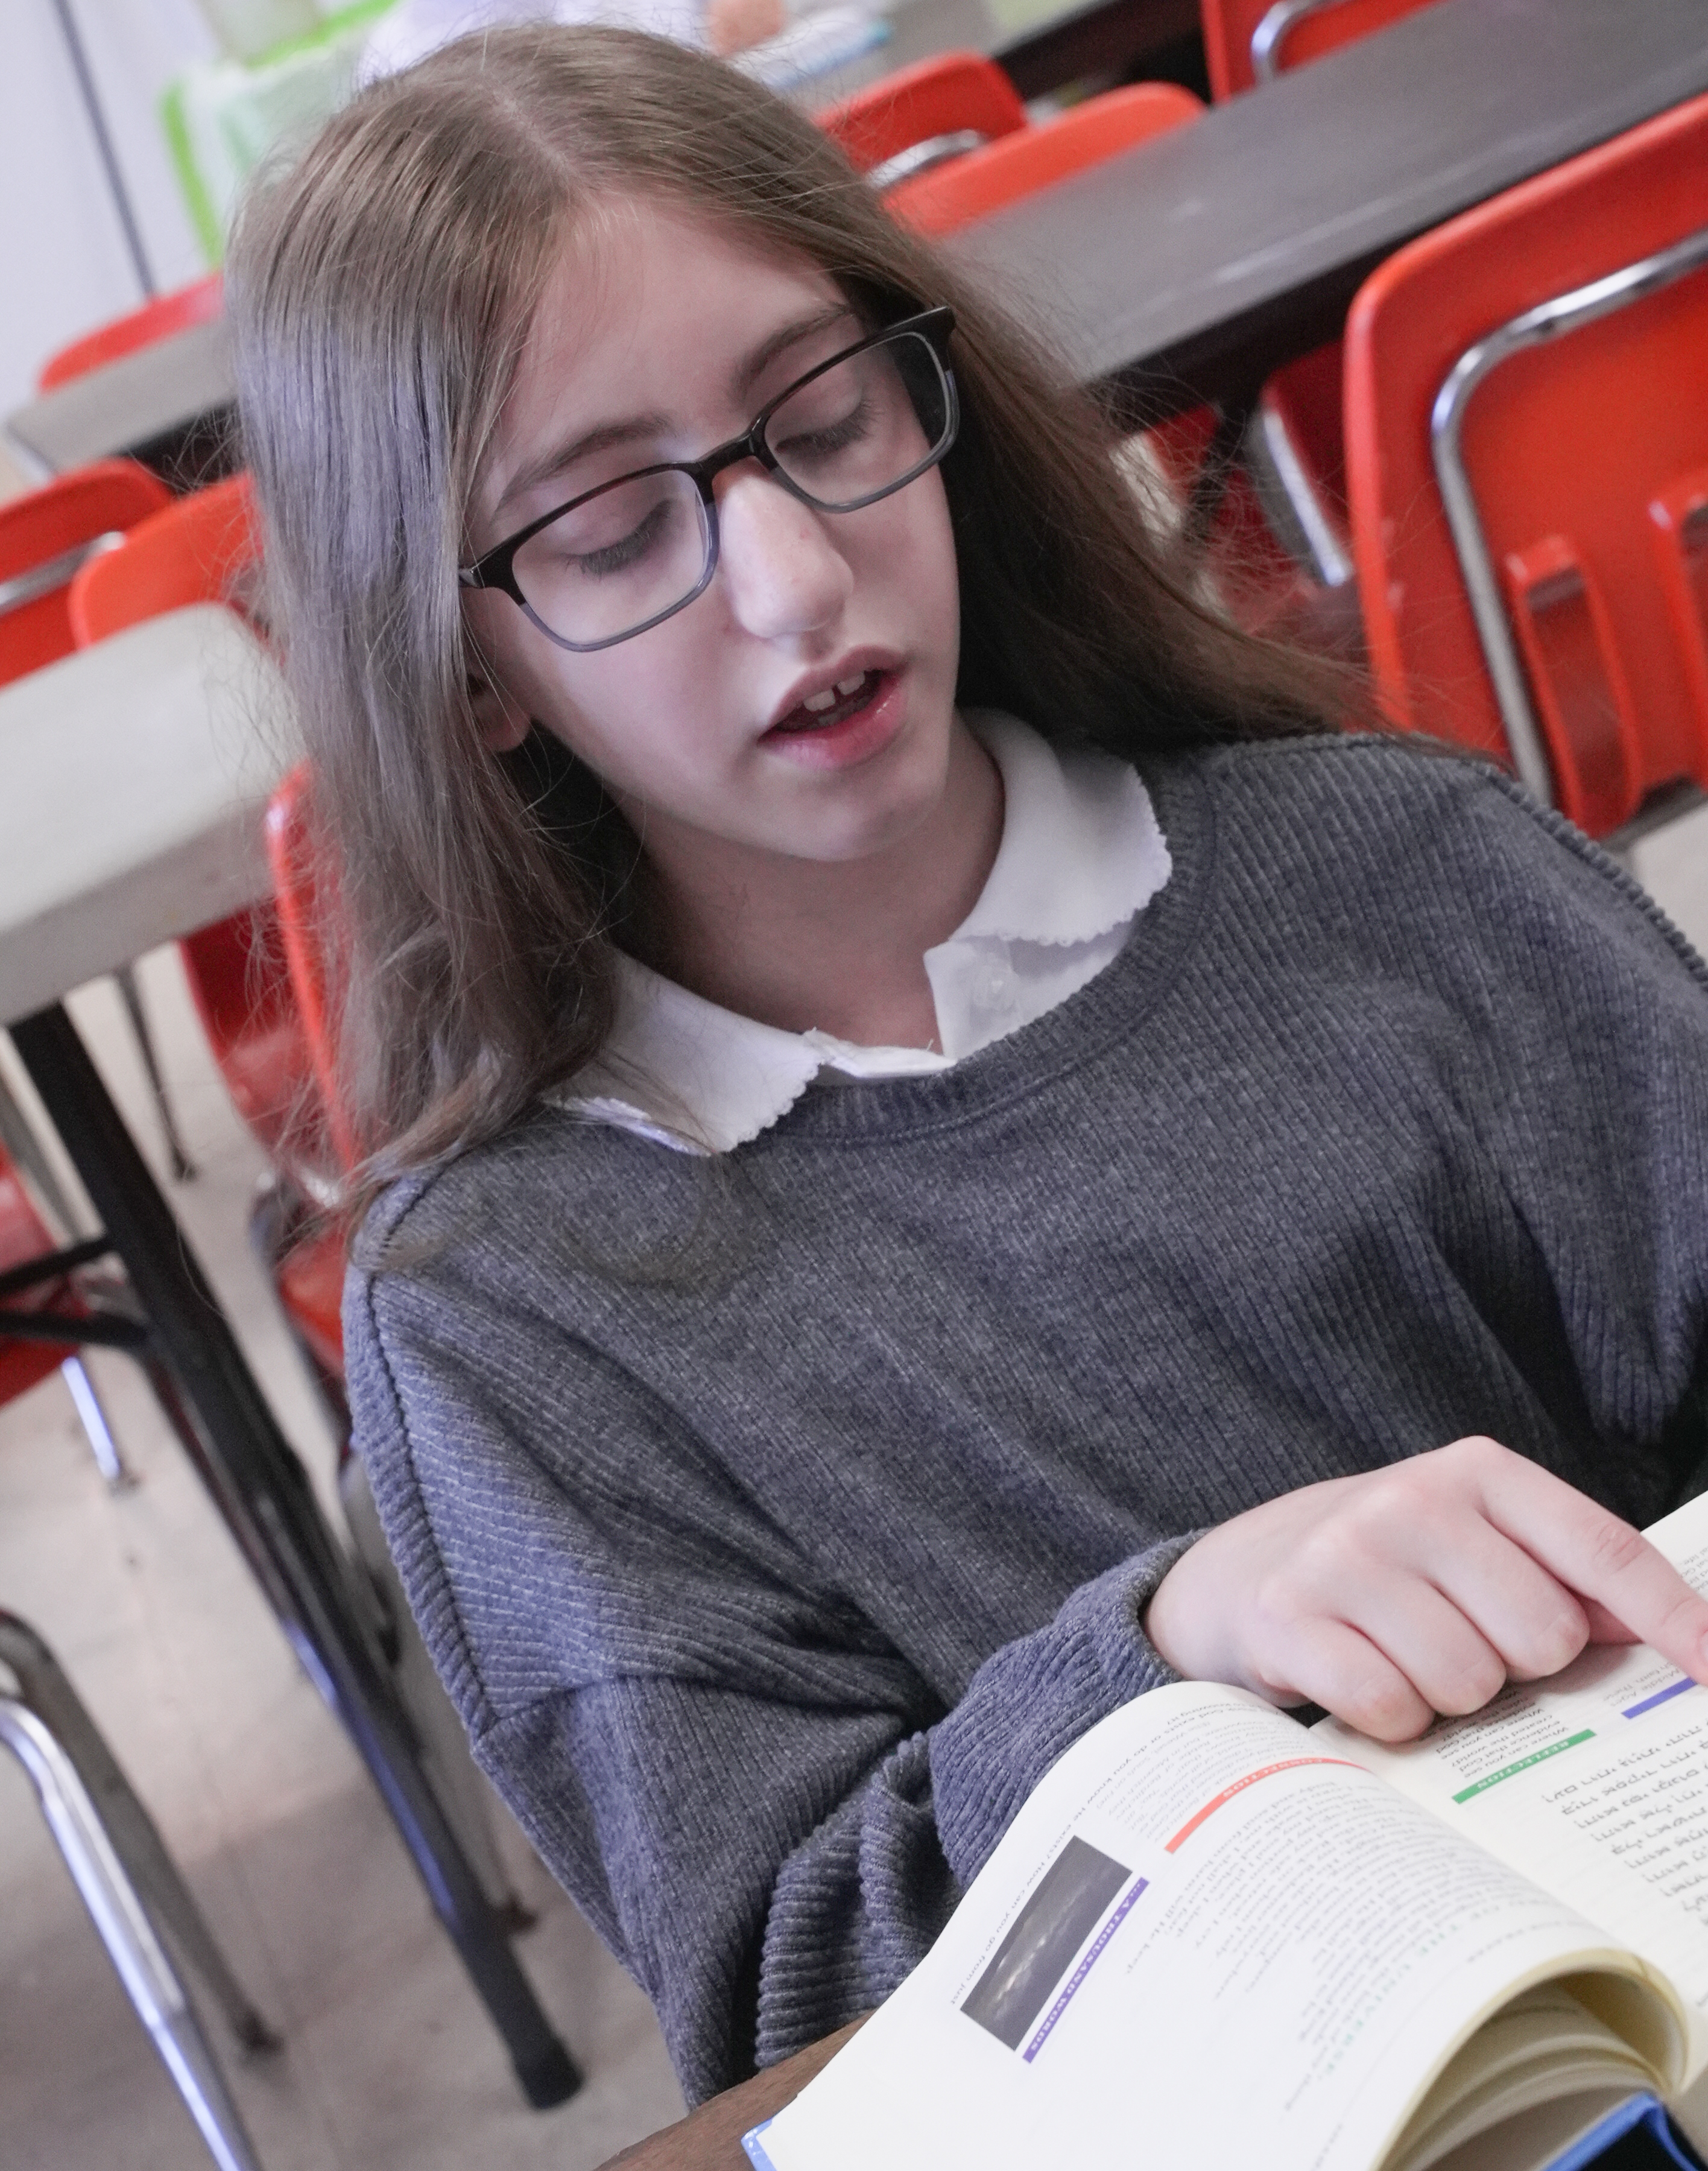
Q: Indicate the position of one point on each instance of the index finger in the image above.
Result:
(1599, 1557)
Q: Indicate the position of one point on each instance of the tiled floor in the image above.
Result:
(388, 2062)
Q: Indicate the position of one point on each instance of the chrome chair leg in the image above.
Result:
(23, 1150)
(45, 1687)
(122, 1921)
(183, 1168)
(96, 1431)
(27, 1154)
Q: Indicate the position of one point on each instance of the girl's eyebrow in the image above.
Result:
(780, 341)
(599, 440)
(635, 427)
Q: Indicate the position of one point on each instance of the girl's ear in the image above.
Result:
(504, 722)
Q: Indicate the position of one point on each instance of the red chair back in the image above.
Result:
(199, 303)
(42, 533)
(24, 1236)
(941, 96)
(1242, 37)
(198, 549)
(311, 1272)
(305, 891)
(1586, 458)
(949, 196)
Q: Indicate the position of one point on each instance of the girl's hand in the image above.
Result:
(1420, 1588)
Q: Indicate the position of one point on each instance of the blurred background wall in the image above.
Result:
(65, 261)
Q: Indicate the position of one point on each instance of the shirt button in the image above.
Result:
(993, 986)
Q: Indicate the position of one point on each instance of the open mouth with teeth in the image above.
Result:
(819, 711)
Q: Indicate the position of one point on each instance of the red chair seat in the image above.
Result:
(198, 303)
(952, 195)
(943, 96)
(1231, 26)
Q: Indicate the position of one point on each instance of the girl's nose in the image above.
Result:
(781, 571)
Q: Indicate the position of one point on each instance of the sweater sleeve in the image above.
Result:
(758, 1805)
(1588, 1082)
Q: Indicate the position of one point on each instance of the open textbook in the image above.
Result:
(1212, 1936)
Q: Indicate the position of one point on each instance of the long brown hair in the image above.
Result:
(380, 292)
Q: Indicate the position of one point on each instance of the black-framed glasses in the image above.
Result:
(621, 558)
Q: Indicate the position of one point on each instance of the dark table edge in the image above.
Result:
(1229, 358)
(1102, 37)
(710, 2138)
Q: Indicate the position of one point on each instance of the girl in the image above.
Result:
(942, 1150)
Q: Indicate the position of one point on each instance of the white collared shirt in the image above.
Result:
(1081, 856)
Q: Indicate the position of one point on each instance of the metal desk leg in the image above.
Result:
(263, 1492)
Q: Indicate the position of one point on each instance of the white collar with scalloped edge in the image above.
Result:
(1081, 856)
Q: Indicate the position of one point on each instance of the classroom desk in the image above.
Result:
(135, 774)
(1119, 39)
(1188, 269)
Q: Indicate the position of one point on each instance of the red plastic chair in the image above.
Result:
(199, 303)
(1247, 42)
(305, 893)
(24, 1236)
(954, 194)
(207, 549)
(1562, 480)
(45, 537)
(310, 1265)
(934, 108)
(204, 549)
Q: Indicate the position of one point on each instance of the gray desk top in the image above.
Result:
(125, 405)
(1191, 266)
(136, 772)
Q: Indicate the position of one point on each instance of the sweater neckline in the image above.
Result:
(1073, 1032)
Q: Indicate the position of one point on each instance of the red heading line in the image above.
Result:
(1239, 1786)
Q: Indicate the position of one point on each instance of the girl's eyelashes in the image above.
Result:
(618, 557)
(801, 449)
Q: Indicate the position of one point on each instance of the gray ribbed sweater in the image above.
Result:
(775, 1523)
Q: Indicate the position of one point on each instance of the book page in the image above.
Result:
(1204, 1937)
(1593, 1783)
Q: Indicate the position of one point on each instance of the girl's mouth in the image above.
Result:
(822, 711)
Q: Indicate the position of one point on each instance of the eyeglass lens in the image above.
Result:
(632, 553)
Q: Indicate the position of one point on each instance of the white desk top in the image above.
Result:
(132, 778)
(124, 404)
